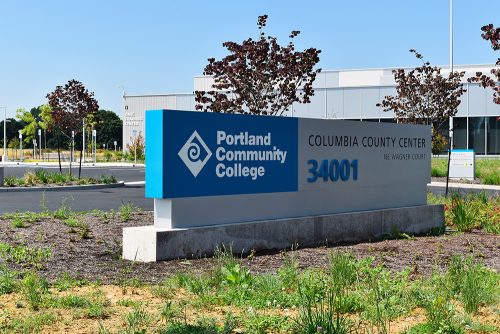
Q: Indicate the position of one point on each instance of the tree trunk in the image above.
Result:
(80, 168)
(59, 151)
(70, 157)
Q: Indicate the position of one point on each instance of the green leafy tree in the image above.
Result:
(31, 121)
(109, 127)
(13, 127)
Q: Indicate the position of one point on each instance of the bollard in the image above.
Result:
(1, 176)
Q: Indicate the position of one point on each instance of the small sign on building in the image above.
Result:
(462, 164)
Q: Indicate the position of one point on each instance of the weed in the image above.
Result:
(107, 179)
(236, 275)
(72, 301)
(463, 214)
(31, 323)
(25, 256)
(65, 282)
(137, 320)
(103, 330)
(7, 280)
(10, 181)
(127, 303)
(85, 232)
(168, 311)
(98, 307)
(165, 290)
(203, 326)
(33, 288)
(18, 223)
(474, 284)
(126, 210)
(64, 211)
(289, 271)
(326, 314)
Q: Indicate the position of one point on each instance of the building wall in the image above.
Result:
(134, 107)
(351, 95)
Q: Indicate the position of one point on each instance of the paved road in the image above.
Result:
(79, 200)
(103, 199)
(121, 173)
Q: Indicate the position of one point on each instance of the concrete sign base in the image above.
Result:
(150, 243)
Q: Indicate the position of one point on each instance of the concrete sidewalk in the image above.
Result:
(438, 187)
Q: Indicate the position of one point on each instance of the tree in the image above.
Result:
(136, 147)
(492, 34)
(260, 76)
(30, 119)
(109, 127)
(13, 127)
(425, 96)
(70, 105)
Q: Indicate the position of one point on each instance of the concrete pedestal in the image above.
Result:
(150, 243)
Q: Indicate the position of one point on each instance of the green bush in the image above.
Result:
(463, 213)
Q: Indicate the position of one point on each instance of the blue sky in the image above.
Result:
(158, 46)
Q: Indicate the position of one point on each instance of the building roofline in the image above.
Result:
(462, 66)
(159, 94)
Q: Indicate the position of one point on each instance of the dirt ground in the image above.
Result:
(98, 256)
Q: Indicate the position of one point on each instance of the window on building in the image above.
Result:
(493, 135)
(460, 132)
(477, 134)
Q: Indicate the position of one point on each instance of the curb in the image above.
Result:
(62, 188)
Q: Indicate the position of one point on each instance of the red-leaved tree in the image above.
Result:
(259, 76)
(492, 34)
(425, 96)
(71, 104)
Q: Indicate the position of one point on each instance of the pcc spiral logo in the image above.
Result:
(195, 154)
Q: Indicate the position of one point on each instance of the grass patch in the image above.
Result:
(346, 296)
(487, 170)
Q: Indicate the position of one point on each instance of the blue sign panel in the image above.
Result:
(206, 154)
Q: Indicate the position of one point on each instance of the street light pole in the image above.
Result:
(21, 145)
(40, 142)
(83, 138)
(450, 133)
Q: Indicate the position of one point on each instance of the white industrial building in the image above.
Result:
(350, 95)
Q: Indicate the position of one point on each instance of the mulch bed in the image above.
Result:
(98, 257)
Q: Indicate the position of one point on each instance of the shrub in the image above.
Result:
(10, 181)
(107, 179)
(107, 155)
(463, 213)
